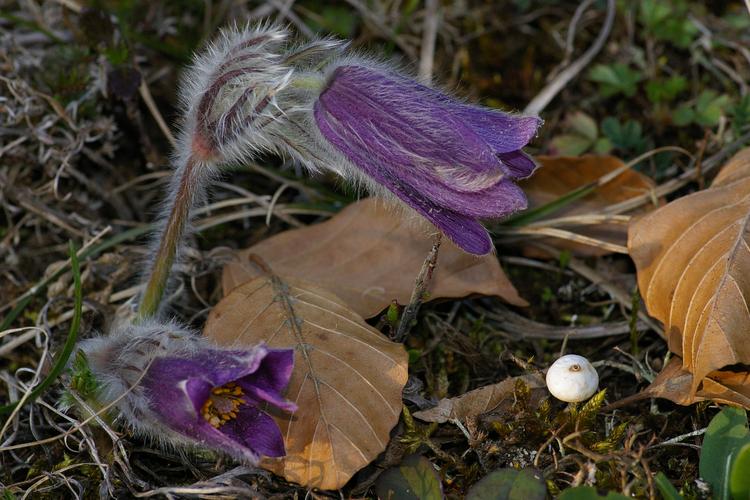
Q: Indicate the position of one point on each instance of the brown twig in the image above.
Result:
(420, 291)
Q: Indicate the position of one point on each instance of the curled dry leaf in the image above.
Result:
(693, 263)
(674, 383)
(559, 175)
(347, 378)
(368, 256)
(482, 400)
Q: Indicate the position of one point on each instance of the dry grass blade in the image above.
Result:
(347, 379)
(693, 263)
(368, 256)
(560, 175)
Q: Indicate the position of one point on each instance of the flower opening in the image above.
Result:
(180, 390)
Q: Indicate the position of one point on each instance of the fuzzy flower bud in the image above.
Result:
(239, 93)
(182, 391)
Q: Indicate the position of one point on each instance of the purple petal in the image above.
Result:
(464, 231)
(503, 132)
(271, 378)
(171, 401)
(383, 158)
(518, 163)
(216, 367)
(256, 430)
(419, 124)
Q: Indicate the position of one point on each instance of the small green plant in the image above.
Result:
(616, 79)
(524, 484)
(627, 137)
(582, 136)
(415, 478)
(725, 455)
(666, 89)
(668, 492)
(668, 21)
(588, 493)
(706, 111)
(82, 380)
(741, 114)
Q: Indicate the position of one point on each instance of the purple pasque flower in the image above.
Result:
(181, 390)
(453, 163)
(216, 397)
(254, 91)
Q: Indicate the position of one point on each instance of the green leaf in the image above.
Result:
(709, 108)
(571, 144)
(509, 484)
(668, 21)
(615, 78)
(668, 492)
(534, 214)
(414, 479)
(727, 433)
(739, 477)
(653, 13)
(738, 19)
(588, 493)
(666, 90)
(82, 379)
(626, 136)
(583, 125)
(741, 113)
(336, 19)
(7, 495)
(683, 115)
(603, 146)
(392, 313)
(117, 54)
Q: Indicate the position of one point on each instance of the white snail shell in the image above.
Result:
(572, 378)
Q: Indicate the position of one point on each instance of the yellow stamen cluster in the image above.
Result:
(223, 404)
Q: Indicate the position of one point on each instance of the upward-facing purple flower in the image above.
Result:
(216, 398)
(451, 162)
(172, 385)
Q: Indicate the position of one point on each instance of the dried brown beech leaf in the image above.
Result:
(479, 401)
(368, 256)
(693, 263)
(347, 378)
(559, 175)
(674, 383)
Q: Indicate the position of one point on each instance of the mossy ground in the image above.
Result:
(82, 156)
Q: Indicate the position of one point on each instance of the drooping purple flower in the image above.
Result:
(453, 163)
(329, 109)
(172, 385)
(254, 91)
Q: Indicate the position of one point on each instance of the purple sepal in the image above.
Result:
(178, 388)
(451, 162)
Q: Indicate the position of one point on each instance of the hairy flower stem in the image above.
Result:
(171, 236)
